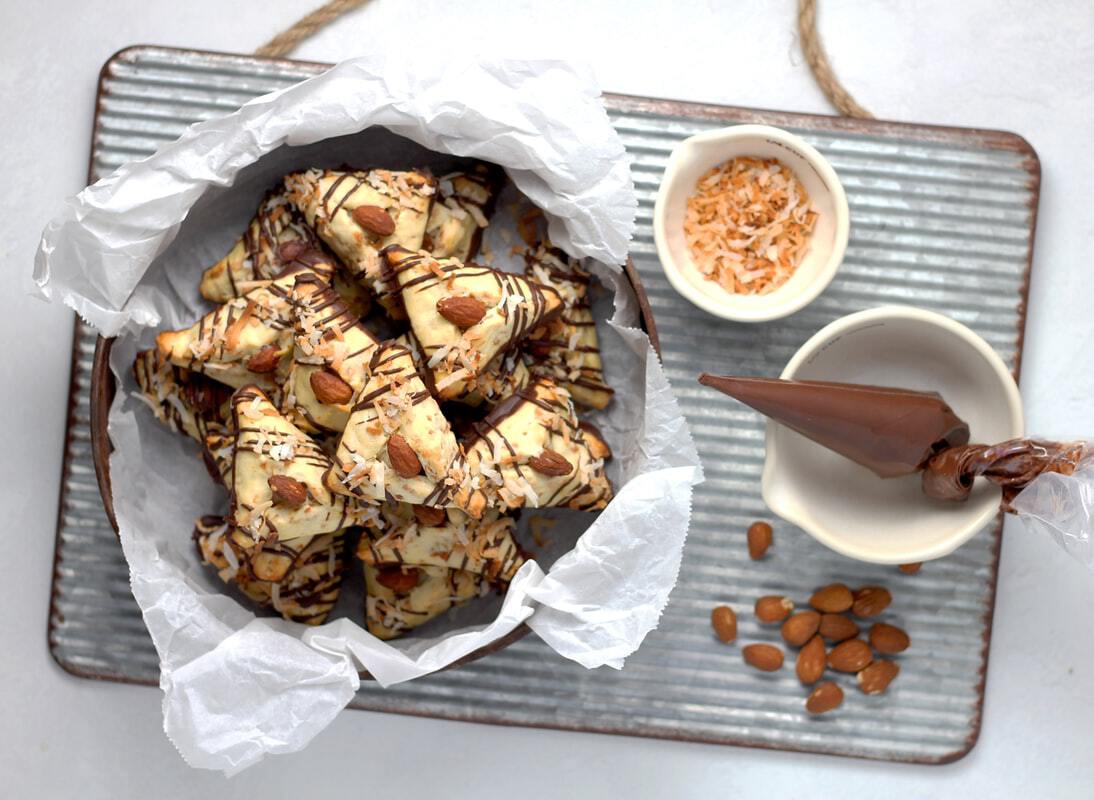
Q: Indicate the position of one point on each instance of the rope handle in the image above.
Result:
(286, 41)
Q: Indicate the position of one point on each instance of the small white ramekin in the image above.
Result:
(697, 154)
(844, 505)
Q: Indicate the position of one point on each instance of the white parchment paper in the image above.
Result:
(237, 686)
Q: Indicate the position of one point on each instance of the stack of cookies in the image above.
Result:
(362, 385)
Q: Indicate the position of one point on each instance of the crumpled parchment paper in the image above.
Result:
(237, 686)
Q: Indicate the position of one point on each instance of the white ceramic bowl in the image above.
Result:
(697, 154)
(844, 505)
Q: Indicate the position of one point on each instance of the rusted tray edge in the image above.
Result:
(989, 138)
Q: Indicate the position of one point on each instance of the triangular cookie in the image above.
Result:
(357, 213)
(302, 580)
(402, 598)
(531, 450)
(261, 252)
(397, 443)
(505, 374)
(566, 349)
(248, 339)
(464, 316)
(331, 357)
(423, 536)
(278, 493)
(186, 401)
(464, 203)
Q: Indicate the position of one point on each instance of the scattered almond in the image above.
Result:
(463, 312)
(430, 517)
(287, 491)
(773, 608)
(551, 464)
(876, 678)
(811, 661)
(764, 657)
(330, 388)
(290, 251)
(824, 698)
(399, 579)
(837, 628)
(888, 639)
(871, 601)
(911, 569)
(759, 539)
(271, 565)
(850, 656)
(799, 628)
(402, 457)
(724, 621)
(265, 360)
(374, 220)
(832, 599)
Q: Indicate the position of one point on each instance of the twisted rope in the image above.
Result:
(818, 63)
(286, 41)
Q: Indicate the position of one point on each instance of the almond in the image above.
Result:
(773, 608)
(399, 579)
(330, 388)
(800, 628)
(271, 565)
(374, 220)
(265, 360)
(850, 656)
(837, 628)
(402, 457)
(888, 639)
(911, 569)
(290, 251)
(876, 678)
(430, 517)
(287, 491)
(871, 601)
(824, 698)
(811, 661)
(832, 599)
(463, 312)
(724, 622)
(551, 464)
(764, 657)
(759, 539)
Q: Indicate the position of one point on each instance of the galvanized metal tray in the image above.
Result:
(941, 218)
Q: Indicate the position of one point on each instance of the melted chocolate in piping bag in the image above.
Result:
(891, 432)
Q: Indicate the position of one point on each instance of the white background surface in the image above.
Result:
(1022, 66)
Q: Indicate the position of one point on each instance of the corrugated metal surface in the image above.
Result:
(940, 218)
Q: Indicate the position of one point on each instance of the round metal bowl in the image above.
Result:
(102, 395)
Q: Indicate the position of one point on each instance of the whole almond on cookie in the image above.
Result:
(837, 628)
(888, 639)
(811, 661)
(402, 457)
(773, 608)
(330, 388)
(265, 360)
(287, 491)
(764, 657)
(800, 627)
(871, 601)
(724, 621)
(760, 535)
(551, 464)
(832, 599)
(850, 656)
(430, 517)
(374, 220)
(876, 678)
(824, 698)
(463, 312)
(399, 579)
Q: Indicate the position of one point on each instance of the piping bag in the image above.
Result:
(893, 432)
